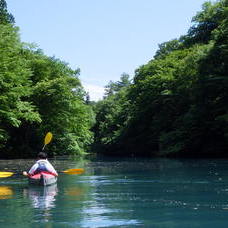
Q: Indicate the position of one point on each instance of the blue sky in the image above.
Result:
(104, 38)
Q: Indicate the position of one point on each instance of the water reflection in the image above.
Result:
(6, 192)
(153, 193)
(74, 192)
(42, 197)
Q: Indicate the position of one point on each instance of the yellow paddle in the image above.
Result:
(68, 171)
(6, 174)
(74, 171)
(47, 139)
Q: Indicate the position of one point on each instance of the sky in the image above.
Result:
(104, 38)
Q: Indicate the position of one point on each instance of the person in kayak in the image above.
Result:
(41, 165)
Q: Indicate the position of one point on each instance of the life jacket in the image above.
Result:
(41, 168)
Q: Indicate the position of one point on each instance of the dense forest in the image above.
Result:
(38, 94)
(175, 105)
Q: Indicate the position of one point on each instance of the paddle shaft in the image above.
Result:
(68, 171)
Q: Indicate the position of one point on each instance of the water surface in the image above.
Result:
(119, 193)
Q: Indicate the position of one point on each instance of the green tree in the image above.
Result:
(5, 16)
(205, 22)
(167, 47)
(39, 94)
(177, 103)
(114, 87)
(14, 85)
(59, 97)
(111, 116)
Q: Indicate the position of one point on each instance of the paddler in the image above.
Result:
(41, 165)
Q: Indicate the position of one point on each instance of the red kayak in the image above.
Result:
(42, 178)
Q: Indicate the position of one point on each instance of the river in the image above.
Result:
(117, 192)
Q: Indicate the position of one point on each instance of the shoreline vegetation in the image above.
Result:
(176, 105)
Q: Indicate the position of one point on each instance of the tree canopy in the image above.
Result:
(38, 94)
(177, 102)
(175, 105)
(5, 16)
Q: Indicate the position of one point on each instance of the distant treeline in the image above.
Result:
(177, 103)
(38, 94)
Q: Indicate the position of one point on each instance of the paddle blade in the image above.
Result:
(48, 138)
(5, 174)
(74, 171)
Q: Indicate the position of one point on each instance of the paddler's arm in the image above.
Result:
(31, 171)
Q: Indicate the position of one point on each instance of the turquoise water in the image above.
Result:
(119, 193)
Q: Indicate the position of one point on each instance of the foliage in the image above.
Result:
(111, 114)
(5, 16)
(114, 87)
(59, 97)
(177, 103)
(39, 94)
(15, 85)
(205, 22)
